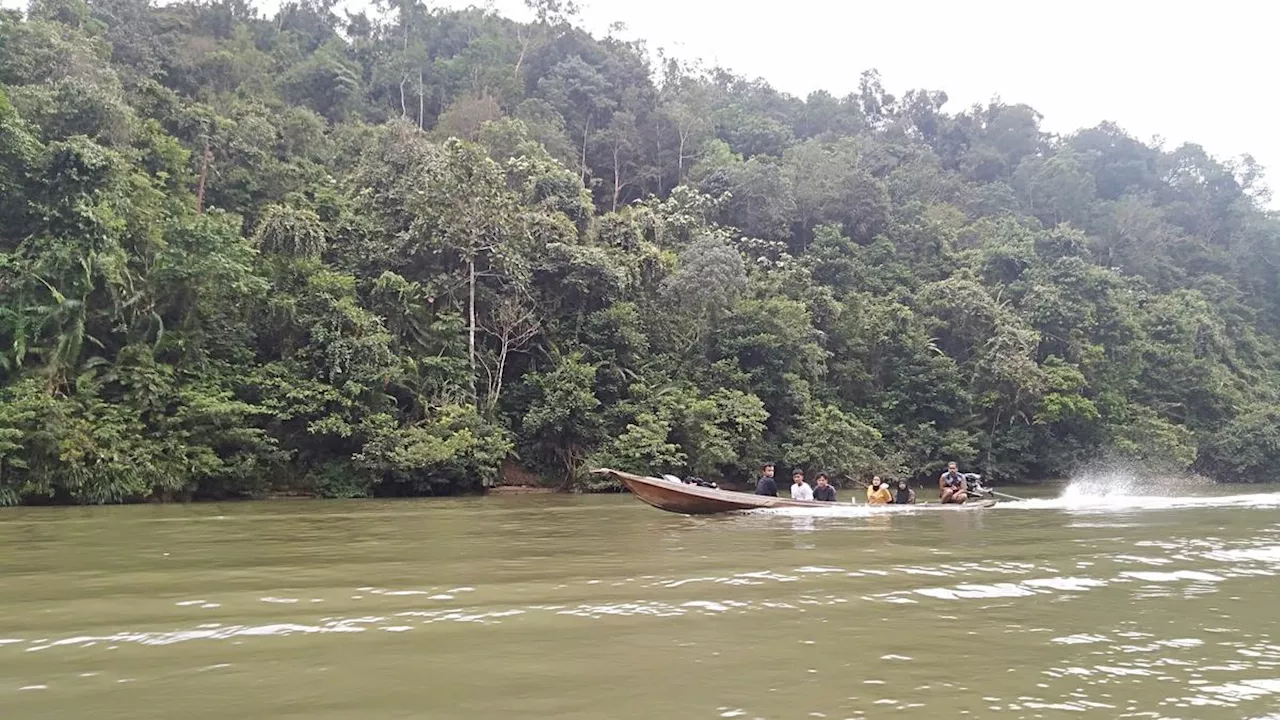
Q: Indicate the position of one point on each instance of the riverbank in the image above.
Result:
(517, 481)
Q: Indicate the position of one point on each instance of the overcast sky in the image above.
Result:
(1195, 71)
(1200, 71)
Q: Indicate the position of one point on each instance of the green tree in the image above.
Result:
(394, 253)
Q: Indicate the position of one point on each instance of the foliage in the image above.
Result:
(394, 252)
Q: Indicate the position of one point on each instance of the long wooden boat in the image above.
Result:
(688, 499)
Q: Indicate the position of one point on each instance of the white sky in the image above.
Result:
(1195, 72)
(1199, 72)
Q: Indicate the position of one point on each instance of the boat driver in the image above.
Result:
(951, 485)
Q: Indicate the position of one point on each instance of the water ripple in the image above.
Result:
(1108, 620)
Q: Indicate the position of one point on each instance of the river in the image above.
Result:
(1092, 603)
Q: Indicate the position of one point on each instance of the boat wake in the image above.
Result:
(1113, 502)
(1127, 489)
(1105, 490)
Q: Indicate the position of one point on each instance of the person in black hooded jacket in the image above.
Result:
(904, 495)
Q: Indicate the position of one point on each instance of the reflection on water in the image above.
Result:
(803, 524)
(602, 607)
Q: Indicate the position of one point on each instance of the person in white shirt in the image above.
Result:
(800, 489)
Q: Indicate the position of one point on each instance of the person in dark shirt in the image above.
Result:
(824, 491)
(765, 485)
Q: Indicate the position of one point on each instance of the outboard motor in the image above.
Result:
(691, 480)
(974, 483)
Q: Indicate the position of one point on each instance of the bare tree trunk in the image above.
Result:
(404, 57)
(514, 324)
(471, 326)
(524, 47)
(586, 131)
(495, 388)
(657, 153)
(617, 177)
(680, 157)
(421, 105)
(204, 174)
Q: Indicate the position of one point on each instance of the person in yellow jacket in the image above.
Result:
(877, 493)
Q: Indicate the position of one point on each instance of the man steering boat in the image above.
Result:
(952, 486)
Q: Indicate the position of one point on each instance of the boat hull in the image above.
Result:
(687, 499)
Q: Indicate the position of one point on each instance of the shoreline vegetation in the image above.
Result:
(428, 252)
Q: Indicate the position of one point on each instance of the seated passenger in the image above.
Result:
(765, 485)
(877, 493)
(800, 489)
(824, 492)
(951, 485)
(904, 494)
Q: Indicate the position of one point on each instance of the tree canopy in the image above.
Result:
(400, 252)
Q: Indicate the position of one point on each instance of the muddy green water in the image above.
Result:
(601, 607)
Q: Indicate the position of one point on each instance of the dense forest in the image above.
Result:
(416, 251)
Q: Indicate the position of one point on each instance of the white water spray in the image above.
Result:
(1113, 480)
(1126, 487)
